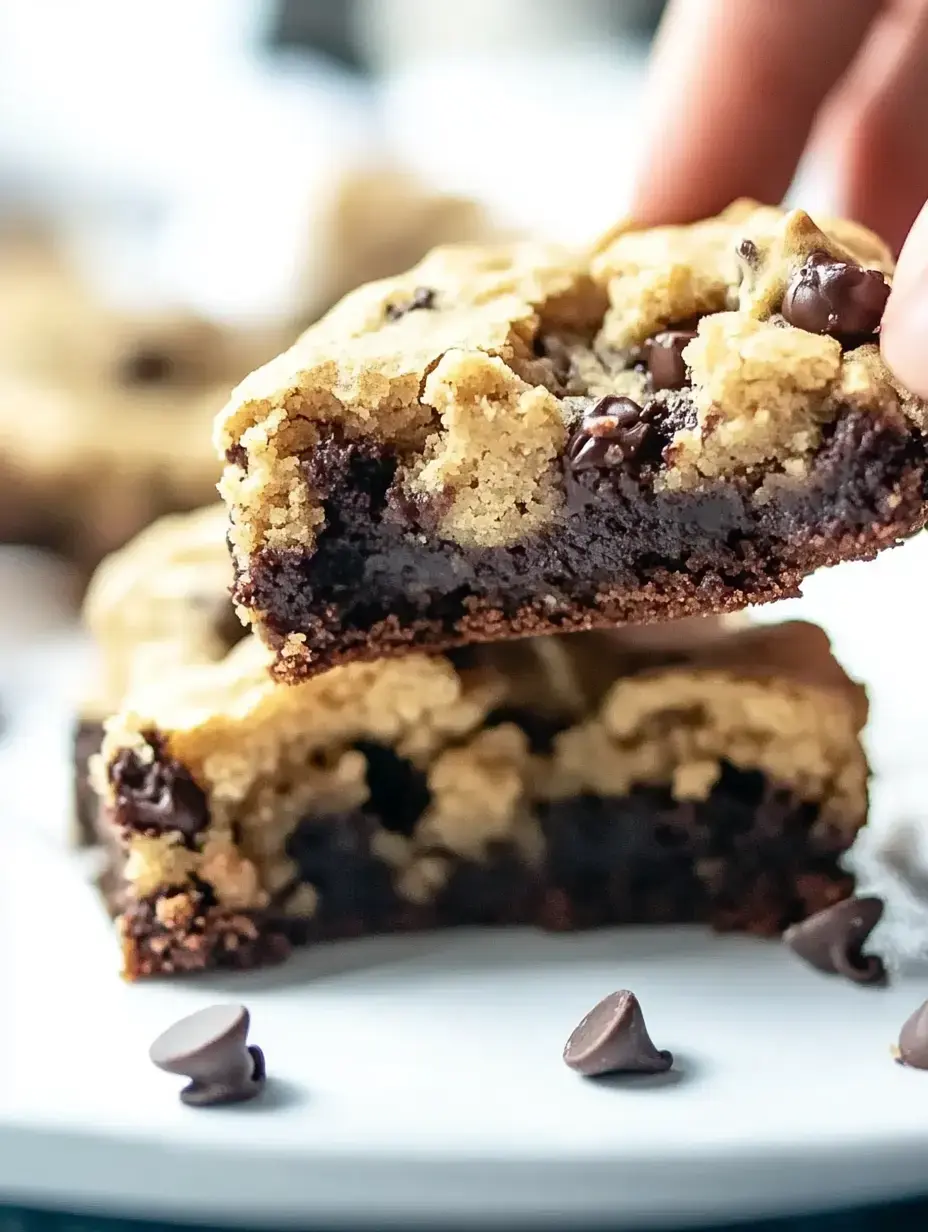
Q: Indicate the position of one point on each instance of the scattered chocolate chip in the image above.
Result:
(209, 1047)
(613, 1039)
(612, 431)
(838, 298)
(157, 796)
(912, 1048)
(832, 940)
(665, 358)
(422, 297)
(146, 366)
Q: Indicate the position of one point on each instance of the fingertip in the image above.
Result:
(904, 334)
(732, 97)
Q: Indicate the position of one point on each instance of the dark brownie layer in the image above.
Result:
(215, 940)
(750, 857)
(381, 579)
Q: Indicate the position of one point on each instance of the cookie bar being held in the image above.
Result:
(510, 440)
(417, 792)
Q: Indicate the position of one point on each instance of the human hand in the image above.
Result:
(739, 89)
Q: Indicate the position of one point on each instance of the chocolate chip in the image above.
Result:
(611, 432)
(237, 455)
(838, 298)
(157, 796)
(209, 1047)
(832, 940)
(665, 358)
(749, 254)
(912, 1049)
(612, 1039)
(422, 297)
(146, 366)
(337, 856)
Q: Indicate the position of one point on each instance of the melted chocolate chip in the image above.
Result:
(399, 793)
(146, 366)
(422, 298)
(666, 365)
(837, 298)
(832, 940)
(157, 797)
(210, 1049)
(749, 254)
(613, 1039)
(611, 432)
(335, 855)
(237, 455)
(912, 1049)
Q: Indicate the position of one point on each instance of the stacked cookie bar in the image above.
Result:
(484, 520)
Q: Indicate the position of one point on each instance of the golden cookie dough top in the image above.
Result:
(162, 600)
(474, 366)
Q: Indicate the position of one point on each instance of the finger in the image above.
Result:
(913, 259)
(735, 87)
(883, 149)
(904, 332)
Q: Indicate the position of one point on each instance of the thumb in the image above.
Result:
(904, 332)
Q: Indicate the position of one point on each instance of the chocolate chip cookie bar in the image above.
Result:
(514, 440)
(414, 792)
(159, 602)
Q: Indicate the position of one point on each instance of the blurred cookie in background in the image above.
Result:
(106, 410)
(105, 415)
(374, 222)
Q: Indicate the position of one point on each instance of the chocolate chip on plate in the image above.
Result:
(665, 358)
(912, 1048)
(209, 1047)
(832, 940)
(611, 431)
(613, 1039)
(838, 298)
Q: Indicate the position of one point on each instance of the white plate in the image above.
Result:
(419, 1080)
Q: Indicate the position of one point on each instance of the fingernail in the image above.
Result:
(904, 334)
